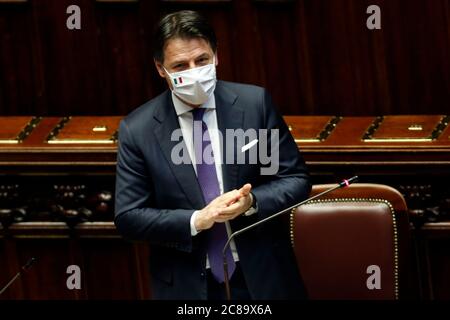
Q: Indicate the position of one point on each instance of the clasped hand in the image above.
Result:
(224, 208)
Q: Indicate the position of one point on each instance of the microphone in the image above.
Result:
(343, 184)
(25, 267)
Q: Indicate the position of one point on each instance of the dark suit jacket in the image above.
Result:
(156, 198)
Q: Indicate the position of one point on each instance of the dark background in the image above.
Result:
(314, 56)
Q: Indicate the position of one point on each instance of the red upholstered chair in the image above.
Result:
(337, 238)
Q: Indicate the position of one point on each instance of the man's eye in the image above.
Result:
(202, 61)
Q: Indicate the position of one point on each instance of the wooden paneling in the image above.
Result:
(111, 268)
(47, 278)
(315, 57)
(18, 61)
(112, 264)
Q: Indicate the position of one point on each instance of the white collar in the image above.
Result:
(182, 108)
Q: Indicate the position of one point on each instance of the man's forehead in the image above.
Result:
(185, 49)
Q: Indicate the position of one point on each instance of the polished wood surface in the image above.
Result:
(315, 136)
(406, 128)
(12, 127)
(85, 130)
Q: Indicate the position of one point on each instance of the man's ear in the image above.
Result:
(160, 68)
(217, 58)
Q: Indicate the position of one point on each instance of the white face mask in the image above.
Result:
(195, 85)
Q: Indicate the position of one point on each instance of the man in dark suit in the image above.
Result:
(185, 205)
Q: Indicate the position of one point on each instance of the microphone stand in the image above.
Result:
(344, 183)
(25, 267)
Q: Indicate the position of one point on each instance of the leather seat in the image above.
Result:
(341, 240)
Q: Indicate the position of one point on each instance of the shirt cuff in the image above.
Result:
(252, 210)
(194, 231)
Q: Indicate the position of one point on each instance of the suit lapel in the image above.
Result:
(230, 115)
(166, 122)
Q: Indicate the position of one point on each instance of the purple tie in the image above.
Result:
(207, 177)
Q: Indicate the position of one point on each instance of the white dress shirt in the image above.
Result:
(185, 119)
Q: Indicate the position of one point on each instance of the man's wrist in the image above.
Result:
(194, 230)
